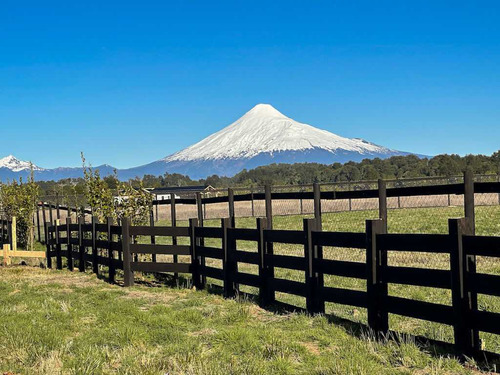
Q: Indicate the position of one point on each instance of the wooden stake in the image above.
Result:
(14, 234)
(6, 255)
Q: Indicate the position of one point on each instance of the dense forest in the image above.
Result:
(296, 174)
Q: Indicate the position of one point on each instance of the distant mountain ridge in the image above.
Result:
(261, 136)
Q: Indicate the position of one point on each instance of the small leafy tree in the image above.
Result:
(135, 203)
(126, 201)
(97, 193)
(19, 199)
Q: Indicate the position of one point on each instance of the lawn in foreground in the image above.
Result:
(61, 322)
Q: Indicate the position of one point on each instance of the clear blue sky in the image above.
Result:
(129, 82)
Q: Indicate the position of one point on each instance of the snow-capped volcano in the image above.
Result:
(261, 136)
(264, 129)
(16, 165)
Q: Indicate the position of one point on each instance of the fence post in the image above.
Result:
(199, 208)
(378, 318)
(228, 262)
(195, 259)
(58, 213)
(313, 301)
(128, 274)
(263, 284)
(201, 241)
(81, 247)
(498, 179)
(317, 251)
(58, 246)
(69, 246)
(269, 206)
(51, 214)
(317, 204)
(350, 200)
(38, 222)
(153, 238)
(469, 199)
(47, 245)
(253, 204)
(382, 202)
(9, 231)
(95, 260)
(6, 255)
(44, 217)
(173, 215)
(464, 301)
(111, 258)
(230, 202)
(14, 233)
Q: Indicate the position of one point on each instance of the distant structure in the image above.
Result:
(164, 193)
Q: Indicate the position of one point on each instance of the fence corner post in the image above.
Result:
(127, 257)
(378, 317)
(464, 300)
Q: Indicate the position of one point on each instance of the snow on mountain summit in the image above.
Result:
(16, 165)
(264, 129)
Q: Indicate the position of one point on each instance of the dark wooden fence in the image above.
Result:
(105, 247)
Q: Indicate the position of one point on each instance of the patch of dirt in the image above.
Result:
(311, 347)
(37, 276)
(150, 297)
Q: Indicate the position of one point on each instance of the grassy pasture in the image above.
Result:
(411, 220)
(58, 322)
(93, 327)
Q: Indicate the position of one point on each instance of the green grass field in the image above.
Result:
(419, 220)
(94, 327)
(58, 322)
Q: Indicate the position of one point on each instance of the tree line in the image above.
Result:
(396, 167)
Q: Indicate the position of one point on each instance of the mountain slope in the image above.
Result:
(263, 136)
(15, 165)
(264, 129)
